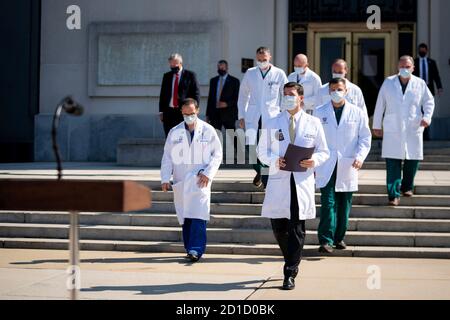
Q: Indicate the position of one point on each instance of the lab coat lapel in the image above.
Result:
(198, 133)
(301, 128)
(331, 115)
(284, 126)
(399, 90)
(344, 117)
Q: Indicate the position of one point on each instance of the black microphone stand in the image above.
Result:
(71, 107)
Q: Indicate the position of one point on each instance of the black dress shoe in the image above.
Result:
(289, 284)
(257, 181)
(341, 246)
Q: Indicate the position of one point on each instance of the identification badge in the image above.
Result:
(279, 135)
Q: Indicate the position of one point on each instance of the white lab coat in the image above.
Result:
(354, 96)
(272, 146)
(184, 161)
(260, 98)
(311, 84)
(399, 115)
(349, 141)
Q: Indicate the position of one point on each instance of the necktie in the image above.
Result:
(219, 93)
(292, 129)
(175, 91)
(424, 70)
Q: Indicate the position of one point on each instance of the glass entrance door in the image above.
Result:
(371, 64)
(329, 47)
(368, 56)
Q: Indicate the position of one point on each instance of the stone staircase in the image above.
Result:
(419, 228)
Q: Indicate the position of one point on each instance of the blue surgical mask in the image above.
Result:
(337, 96)
(405, 73)
(190, 120)
(289, 103)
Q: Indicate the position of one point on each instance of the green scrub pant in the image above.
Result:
(395, 184)
(334, 213)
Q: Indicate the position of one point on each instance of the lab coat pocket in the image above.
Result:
(347, 177)
(390, 123)
(178, 194)
(197, 200)
(277, 194)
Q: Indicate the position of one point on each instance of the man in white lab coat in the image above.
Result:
(404, 109)
(349, 139)
(309, 80)
(259, 101)
(354, 93)
(290, 196)
(192, 154)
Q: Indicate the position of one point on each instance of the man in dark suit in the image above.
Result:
(177, 85)
(222, 108)
(426, 69)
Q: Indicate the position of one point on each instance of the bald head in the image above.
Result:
(301, 61)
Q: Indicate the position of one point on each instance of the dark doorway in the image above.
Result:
(19, 78)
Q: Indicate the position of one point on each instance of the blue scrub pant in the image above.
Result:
(194, 235)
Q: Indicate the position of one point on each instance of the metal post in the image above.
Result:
(74, 268)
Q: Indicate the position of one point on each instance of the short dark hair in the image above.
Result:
(423, 46)
(263, 50)
(337, 81)
(295, 85)
(188, 102)
(225, 62)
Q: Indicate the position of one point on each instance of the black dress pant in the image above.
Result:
(171, 118)
(224, 118)
(290, 234)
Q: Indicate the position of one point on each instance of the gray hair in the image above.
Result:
(405, 58)
(177, 57)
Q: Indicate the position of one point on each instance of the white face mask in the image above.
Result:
(405, 73)
(289, 103)
(339, 75)
(190, 120)
(263, 65)
(299, 70)
(337, 96)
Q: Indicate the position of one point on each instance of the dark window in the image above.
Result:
(405, 44)
(350, 10)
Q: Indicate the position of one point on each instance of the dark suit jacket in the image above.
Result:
(230, 95)
(433, 74)
(188, 88)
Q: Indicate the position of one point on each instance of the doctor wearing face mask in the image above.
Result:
(404, 109)
(259, 101)
(192, 155)
(308, 79)
(349, 140)
(354, 93)
(290, 196)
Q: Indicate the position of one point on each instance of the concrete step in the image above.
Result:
(376, 156)
(358, 211)
(358, 199)
(221, 221)
(427, 166)
(219, 235)
(225, 248)
(237, 186)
